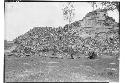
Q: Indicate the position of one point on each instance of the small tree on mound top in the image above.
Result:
(68, 12)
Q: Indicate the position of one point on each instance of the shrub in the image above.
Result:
(76, 24)
(14, 51)
(92, 55)
(17, 41)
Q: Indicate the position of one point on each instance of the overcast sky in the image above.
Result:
(22, 16)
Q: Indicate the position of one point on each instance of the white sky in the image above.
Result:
(22, 16)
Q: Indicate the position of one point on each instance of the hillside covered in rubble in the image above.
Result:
(95, 35)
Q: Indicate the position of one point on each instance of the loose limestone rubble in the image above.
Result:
(96, 33)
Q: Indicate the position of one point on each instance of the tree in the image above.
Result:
(68, 12)
(93, 5)
(107, 5)
(111, 5)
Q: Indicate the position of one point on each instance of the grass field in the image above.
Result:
(44, 69)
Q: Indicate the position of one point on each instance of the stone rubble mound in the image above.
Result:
(94, 36)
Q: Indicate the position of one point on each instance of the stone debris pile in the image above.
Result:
(95, 35)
